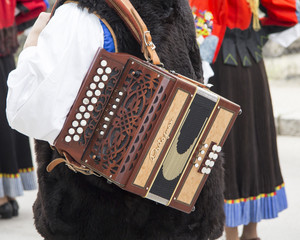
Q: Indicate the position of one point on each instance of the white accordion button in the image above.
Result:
(111, 113)
(103, 63)
(219, 148)
(199, 158)
(90, 108)
(108, 70)
(117, 99)
(211, 155)
(82, 108)
(207, 162)
(102, 133)
(78, 116)
(104, 126)
(86, 101)
(212, 163)
(203, 170)
(68, 139)
(106, 119)
(83, 123)
(89, 93)
(87, 115)
(94, 100)
(80, 130)
(93, 86)
(75, 124)
(208, 170)
(104, 78)
(101, 85)
(97, 93)
(96, 78)
(71, 131)
(202, 152)
(196, 165)
(76, 138)
(99, 71)
(206, 145)
(120, 93)
(114, 106)
(215, 156)
(214, 148)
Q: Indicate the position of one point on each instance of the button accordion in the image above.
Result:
(151, 132)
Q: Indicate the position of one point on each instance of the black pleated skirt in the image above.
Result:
(16, 168)
(253, 180)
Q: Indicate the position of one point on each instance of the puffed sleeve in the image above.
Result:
(46, 81)
(283, 13)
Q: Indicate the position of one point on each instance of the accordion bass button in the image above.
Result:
(108, 70)
(207, 162)
(219, 148)
(215, 156)
(214, 148)
(211, 155)
(212, 163)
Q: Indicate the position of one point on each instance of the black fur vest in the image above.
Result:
(72, 206)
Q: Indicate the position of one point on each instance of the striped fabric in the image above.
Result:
(13, 185)
(254, 209)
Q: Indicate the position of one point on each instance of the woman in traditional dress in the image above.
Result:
(231, 36)
(16, 168)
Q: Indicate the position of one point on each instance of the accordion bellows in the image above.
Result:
(153, 133)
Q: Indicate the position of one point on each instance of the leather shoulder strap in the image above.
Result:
(137, 27)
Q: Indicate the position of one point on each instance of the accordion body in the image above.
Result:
(151, 132)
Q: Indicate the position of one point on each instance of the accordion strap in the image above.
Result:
(137, 27)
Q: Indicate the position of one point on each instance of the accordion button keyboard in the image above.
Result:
(108, 70)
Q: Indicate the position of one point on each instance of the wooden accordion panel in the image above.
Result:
(151, 132)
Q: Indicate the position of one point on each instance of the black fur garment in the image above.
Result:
(72, 206)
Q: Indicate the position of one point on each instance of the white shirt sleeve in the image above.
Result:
(46, 81)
